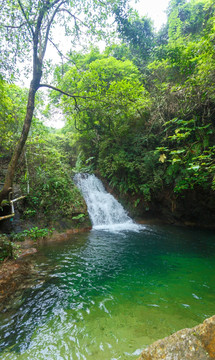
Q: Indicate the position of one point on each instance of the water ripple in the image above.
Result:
(111, 294)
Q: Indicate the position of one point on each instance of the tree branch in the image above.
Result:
(67, 94)
(31, 30)
(101, 2)
(60, 53)
(55, 2)
(13, 27)
(49, 25)
(74, 17)
(82, 130)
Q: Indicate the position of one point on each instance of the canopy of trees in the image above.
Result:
(150, 127)
(28, 27)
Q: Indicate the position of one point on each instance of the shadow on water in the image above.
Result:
(111, 293)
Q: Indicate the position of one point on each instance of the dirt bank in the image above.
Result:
(21, 273)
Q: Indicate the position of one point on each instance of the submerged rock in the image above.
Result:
(197, 343)
(26, 252)
(14, 275)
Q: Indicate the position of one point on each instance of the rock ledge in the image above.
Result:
(197, 343)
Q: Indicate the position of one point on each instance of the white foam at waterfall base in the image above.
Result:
(105, 212)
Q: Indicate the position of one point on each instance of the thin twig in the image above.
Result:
(60, 52)
(12, 26)
(74, 17)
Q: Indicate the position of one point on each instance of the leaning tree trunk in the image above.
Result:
(39, 50)
(20, 145)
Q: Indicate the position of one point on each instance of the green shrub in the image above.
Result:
(34, 234)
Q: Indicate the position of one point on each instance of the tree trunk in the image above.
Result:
(20, 145)
(39, 50)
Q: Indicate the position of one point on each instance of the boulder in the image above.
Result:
(197, 343)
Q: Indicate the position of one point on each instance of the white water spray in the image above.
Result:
(105, 212)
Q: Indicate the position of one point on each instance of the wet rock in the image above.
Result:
(13, 275)
(26, 252)
(197, 343)
(67, 234)
(192, 207)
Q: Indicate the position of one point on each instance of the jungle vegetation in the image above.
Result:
(140, 113)
(150, 120)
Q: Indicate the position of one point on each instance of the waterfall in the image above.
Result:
(105, 211)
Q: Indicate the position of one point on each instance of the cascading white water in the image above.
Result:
(104, 210)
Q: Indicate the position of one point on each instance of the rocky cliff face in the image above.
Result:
(197, 343)
(191, 208)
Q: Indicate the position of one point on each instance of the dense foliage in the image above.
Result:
(12, 109)
(45, 166)
(27, 28)
(149, 127)
(142, 116)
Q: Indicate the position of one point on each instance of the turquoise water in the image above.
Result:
(105, 295)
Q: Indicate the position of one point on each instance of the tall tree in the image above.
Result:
(27, 27)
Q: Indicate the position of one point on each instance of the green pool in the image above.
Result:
(106, 295)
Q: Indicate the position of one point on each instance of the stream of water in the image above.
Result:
(108, 294)
(105, 211)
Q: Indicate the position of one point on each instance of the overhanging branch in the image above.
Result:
(66, 93)
(75, 97)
